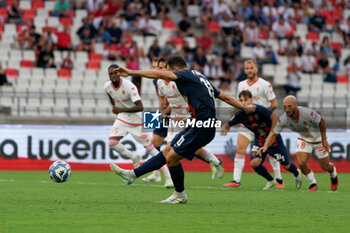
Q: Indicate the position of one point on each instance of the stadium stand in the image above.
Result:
(296, 32)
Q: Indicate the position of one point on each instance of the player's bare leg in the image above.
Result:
(215, 163)
(331, 170)
(256, 163)
(157, 141)
(114, 144)
(242, 145)
(302, 158)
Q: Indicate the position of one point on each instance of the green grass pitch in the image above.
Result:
(100, 202)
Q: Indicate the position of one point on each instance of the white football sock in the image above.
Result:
(334, 173)
(238, 167)
(121, 149)
(210, 157)
(165, 171)
(311, 178)
(276, 168)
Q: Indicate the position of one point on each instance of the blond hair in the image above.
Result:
(250, 61)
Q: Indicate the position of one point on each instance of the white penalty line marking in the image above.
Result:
(161, 186)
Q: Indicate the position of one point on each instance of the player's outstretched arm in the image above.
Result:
(268, 142)
(323, 128)
(235, 103)
(152, 74)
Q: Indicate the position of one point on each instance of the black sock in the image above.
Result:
(178, 177)
(293, 169)
(261, 170)
(154, 163)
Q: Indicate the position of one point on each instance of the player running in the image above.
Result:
(200, 94)
(260, 123)
(264, 95)
(312, 130)
(126, 104)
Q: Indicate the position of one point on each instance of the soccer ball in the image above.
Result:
(60, 171)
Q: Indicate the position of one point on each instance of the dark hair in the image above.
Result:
(113, 66)
(176, 61)
(245, 93)
(158, 59)
(161, 59)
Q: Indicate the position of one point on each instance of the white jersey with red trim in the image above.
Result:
(307, 124)
(261, 90)
(176, 101)
(125, 96)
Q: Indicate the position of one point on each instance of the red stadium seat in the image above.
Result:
(3, 12)
(93, 65)
(66, 21)
(29, 13)
(21, 27)
(178, 40)
(214, 27)
(11, 73)
(64, 73)
(95, 56)
(336, 46)
(27, 64)
(37, 4)
(313, 36)
(169, 24)
(264, 34)
(343, 78)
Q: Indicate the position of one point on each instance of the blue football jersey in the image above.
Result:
(199, 93)
(258, 122)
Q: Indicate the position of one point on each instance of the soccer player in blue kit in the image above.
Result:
(260, 123)
(200, 94)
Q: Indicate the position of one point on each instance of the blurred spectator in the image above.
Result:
(226, 25)
(299, 46)
(259, 53)
(315, 49)
(115, 33)
(64, 41)
(326, 47)
(86, 24)
(270, 13)
(46, 57)
(270, 56)
(225, 82)
(121, 22)
(280, 28)
(213, 71)
(336, 66)
(113, 6)
(285, 11)
(49, 37)
(146, 26)
(251, 34)
(131, 63)
(87, 41)
(143, 59)
(220, 8)
(288, 47)
(227, 58)
(184, 26)
(257, 16)
(293, 83)
(324, 68)
(136, 5)
(162, 9)
(236, 38)
(345, 27)
(3, 78)
(317, 22)
(61, 9)
(150, 8)
(154, 50)
(187, 52)
(29, 39)
(167, 50)
(206, 13)
(93, 5)
(245, 9)
(130, 14)
(67, 62)
(206, 41)
(199, 58)
(347, 64)
(308, 62)
(15, 13)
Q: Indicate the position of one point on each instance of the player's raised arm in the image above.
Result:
(235, 103)
(152, 74)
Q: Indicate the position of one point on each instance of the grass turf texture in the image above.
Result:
(100, 202)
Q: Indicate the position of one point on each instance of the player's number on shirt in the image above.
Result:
(206, 83)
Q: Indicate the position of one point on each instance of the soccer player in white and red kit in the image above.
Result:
(312, 130)
(126, 104)
(264, 95)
